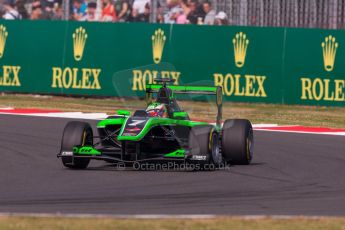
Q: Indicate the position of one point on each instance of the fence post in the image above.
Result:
(243, 12)
(332, 12)
(154, 5)
(66, 7)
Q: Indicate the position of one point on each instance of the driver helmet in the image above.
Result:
(156, 110)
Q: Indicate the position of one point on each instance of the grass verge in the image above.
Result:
(37, 223)
(258, 113)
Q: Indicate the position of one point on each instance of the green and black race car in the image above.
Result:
(161, 132)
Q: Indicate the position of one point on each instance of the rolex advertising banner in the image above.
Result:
(314, 72)
(268, 65)
(242, 60)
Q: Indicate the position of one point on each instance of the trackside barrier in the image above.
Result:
(252, 64)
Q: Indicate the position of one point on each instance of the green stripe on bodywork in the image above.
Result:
(155, 121)
(85, 150)
(177, 153)
(180, 114)
(123, 112)
(114, 121)
(182, 88)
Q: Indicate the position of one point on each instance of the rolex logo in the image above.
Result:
(158, 41)
(240, 42)
(3, 37)
(79, 40)
(329, 50)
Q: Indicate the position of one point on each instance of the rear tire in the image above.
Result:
(204, 141)
(76, 133)
(237, 141)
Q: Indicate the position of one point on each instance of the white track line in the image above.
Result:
(302, 132)
(211, 216)
(73, 115)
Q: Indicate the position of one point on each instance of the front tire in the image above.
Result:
(204, 142)
(238, 141)
(76, 133)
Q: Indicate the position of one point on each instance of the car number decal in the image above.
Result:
(136, 122)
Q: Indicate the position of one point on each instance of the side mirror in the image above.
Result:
(180, 115)
(123, 112)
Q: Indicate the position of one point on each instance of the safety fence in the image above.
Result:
(285, 13)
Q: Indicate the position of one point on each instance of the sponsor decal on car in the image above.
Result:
(128, 134)
(134, 126)
(199, 158)
(67, 153)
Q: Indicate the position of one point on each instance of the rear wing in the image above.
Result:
(198, 90)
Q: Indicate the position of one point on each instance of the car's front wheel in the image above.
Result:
(204, 145)
(75, 133)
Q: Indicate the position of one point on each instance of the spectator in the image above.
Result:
(193, 14)
(210, 13)
(221, 19)
(11, 12)
(36, 11)
(173, 12)
(91, 15)
(79, 9)
(123, 10)
(134, 15)
(144, 17)
(20, 4)
(47, 7)
(2, 9)
(139, 6)
(160, 14)
(57, 12)
(182, 18)
(108, 12)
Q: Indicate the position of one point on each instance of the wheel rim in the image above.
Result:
(87, 138)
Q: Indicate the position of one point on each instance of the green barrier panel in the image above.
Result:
(313, 68)
(240, 59)
(97, 59)
(269, 65)
(28, 52)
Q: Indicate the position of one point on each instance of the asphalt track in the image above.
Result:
(292, 174)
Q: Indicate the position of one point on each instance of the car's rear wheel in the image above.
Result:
(204, 145)
(238, 141)
(76, 133)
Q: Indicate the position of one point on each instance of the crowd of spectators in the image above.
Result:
(174, 11)
(193, 12)
(33, 10)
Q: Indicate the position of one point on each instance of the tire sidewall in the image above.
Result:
(237, 141)
(76, 134)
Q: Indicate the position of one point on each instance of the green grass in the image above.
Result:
(257, 113)
(23, 223)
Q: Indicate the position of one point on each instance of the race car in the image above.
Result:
(162, 132)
